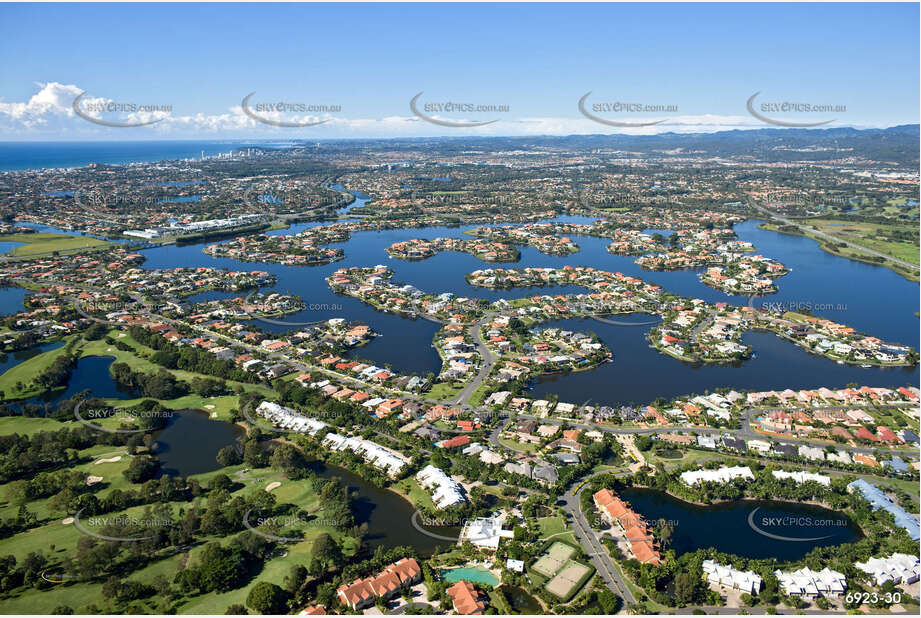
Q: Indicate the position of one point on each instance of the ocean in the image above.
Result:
(39, 155)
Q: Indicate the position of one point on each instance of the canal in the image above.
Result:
(750, 528)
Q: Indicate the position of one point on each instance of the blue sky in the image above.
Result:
(371, 59)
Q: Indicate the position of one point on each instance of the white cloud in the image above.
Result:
(49, 114)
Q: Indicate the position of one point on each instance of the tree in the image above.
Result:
(685, 587)
(228, 456)
(142, 468)
(235, 610)
(253, 454)
(267, 598)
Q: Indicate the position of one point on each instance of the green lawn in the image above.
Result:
(24, 372)
(27, 426)
(442, 391)
(549, 526)
(410, 488)
(521, 447)
(47, 242)
(64, 537)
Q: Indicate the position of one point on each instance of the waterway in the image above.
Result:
(749, 528)
(190, 443)
(870, 298)
(11, 359)
(91, 374)
(11, 298)
(387, 514)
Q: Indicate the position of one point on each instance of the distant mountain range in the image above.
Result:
(897, 145)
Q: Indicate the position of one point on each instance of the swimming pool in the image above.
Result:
(476, 575)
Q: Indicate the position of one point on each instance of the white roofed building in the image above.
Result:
(808, 583)
(445, 490)
(802, 476)
(897, 568)
(729, 577)
(721, 475)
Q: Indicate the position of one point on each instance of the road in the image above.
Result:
(487, 360)
(592, 546)
(836, 239)
(746, 432)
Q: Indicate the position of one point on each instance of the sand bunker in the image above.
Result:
(209, 406)
(107, 460)
(92, 480)
(67, 520)
(272, 485)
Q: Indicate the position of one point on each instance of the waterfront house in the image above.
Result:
(729, 577)
(897, 568)
(467, 599)
(808, 583)
(363, 593)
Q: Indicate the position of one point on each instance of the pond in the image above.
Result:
(11, 298)
(520, 601)
(750, 528)
(92, 374)
(387, 514)
(190, 443)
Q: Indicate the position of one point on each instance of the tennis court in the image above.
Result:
(567, 581)
(553, 559)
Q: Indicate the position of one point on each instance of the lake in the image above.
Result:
(11, 298)
(11, 359)
(91, 374)
(190, 443)
(639, 374)
(387, 514)
(750, 528)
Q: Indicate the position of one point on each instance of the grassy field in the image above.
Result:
(58, 540)
(521, 447)
(867, 235)
(411, 489)
(27, 426)
(47, 242)
(24, 372)
(895, 249)
(549, 526)
(442, 391)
